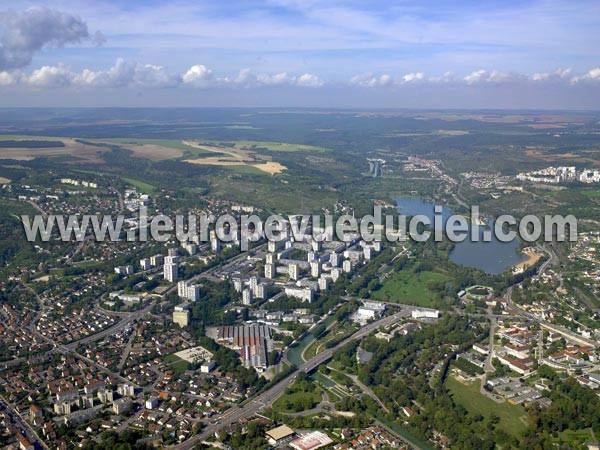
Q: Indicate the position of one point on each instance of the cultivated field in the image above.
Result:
(237, 155)
(88, 153)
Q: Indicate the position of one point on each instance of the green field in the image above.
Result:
(513, 418)
(591, 194)
(281, 146)
(175, 363)
(283, 403)
(188, 152)
(169, 143)
(409, 288)
(5, 137)
(304, 394)
(146, 188)
(245, 170)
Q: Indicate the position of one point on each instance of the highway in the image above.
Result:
(251, 407)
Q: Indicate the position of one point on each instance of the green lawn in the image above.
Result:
(146, 188)
(297, 398)
(591, 193)
(512, 417)
(409, 288)
(175, 363)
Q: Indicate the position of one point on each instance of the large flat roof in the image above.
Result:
(281, 432)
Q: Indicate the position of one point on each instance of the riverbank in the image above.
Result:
(533, 256)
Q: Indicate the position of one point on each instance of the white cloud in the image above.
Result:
(10, 78)
(476, 77)
(370, 80)
(244, 78)
(495, 76)
(447, 77)
(412, 77)
(127, 74)
(558, 75)
(198, 75)
(26, 32)
(276, 79)
(309, 80)
(592, 75)
(50, 76)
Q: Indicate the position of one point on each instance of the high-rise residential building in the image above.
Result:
(261, 291)
(315, 269)
(171, 268)
(247, 297)
(188, 291)
(181, 315)
(270, 271)
(323, 283)
(270, 258)
(156, 260)
(215, 244)
(294, 271)
(334, 259)
(347, 266)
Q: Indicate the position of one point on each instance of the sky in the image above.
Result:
(312, 53)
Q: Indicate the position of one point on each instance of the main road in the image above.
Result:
(251, 407)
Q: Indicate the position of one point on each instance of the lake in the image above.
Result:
(492, 257)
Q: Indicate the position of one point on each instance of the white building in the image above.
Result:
(261, 291)
(188, 291)
(425, 314)
(124, 270)
(122, 406)
(171, 268)
(347, 266)
(207, 367)
(273, 246)
(247, 297)
(294, 271)
(335, 274)
(315, 269)
(215, 245)
(151, 403)
(324, 282)
(270, 271)
(190, 248)
(126, 390)
(156, 260)
(302, 293)
(334, 259)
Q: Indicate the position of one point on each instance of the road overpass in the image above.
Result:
(251, 407)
